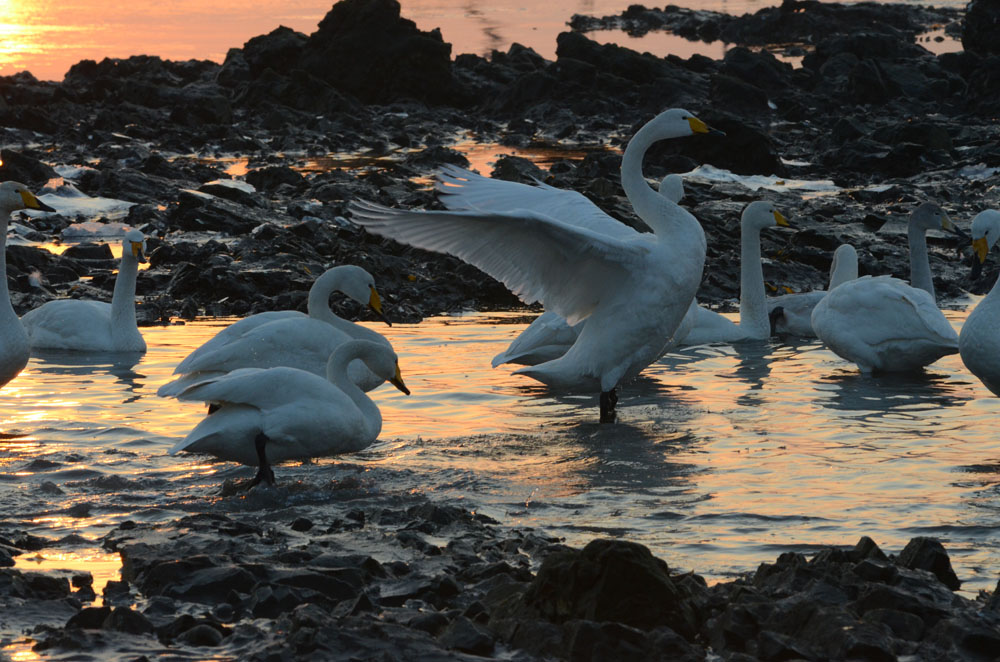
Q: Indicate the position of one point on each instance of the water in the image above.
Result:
(724, 456)
(47, 37)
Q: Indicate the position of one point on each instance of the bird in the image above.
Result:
(883, 325)
(14, 347)
(632, 288)
(754, 324)
(926, 216)
(263, 416)
(94, 326)
(548, 336)
(979, 341)
(791, 314)
(289, 337)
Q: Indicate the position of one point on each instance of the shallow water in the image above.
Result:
(723, 457)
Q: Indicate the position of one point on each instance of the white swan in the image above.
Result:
(289, 338)
(548, 336)
(926, 216)
(791, 314)
(883, 325)
(14, 347)
(754, 324)
(93, 326)
(979, 342)
(265, 415)
(633, 289)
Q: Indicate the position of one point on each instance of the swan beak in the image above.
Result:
(697, 126)
(397, 381)
(981, 248)
(375, 303)
(949, 226)
(137, 251)
(780, 220)
(31, 202)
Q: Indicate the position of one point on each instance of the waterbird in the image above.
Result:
(791, 314)
(632, 288)
(94, 326)
(14, 347)
(979, 342)
(262, 416)
(288, 337)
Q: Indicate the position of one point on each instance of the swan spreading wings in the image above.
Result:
(632, 288)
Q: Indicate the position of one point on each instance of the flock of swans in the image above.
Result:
(286, 385)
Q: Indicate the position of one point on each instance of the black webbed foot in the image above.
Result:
(608, 401)
(776, 314)
(264, 472)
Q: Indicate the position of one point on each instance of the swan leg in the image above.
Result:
(264, 472)
(608, 401)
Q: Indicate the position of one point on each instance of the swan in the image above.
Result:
(288, 337)
(548, 336)
(268, 415)
(632, 288)
(883, 325)
(14, 347)
(94, 326)
(791, 314)
(926, 216)
(979, 342)
(754, 324)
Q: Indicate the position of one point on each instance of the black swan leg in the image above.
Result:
(264, 472)
(776, 314)
(608, 401)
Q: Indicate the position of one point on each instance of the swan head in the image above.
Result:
(679, 122)
(356, 283)
(134, 246)
(844, 266)
(379, 358)
(930, 216)
(761, 214)
(985, 232)
(15, 196)
(672, 187)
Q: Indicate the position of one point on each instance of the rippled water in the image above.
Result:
(724, 456)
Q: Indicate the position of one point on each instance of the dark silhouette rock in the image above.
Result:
(981, 29)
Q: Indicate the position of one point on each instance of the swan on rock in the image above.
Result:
(754, 324)
(632, 288)
(260, 416)
(14, 347)
(979, 342)
(791, 314)
(289, 338)
(94, 326)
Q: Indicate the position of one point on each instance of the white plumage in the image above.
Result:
(979, 342)
(796, 309)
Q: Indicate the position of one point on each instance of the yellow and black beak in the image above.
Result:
(137, 251)
(949, 226)
(697, 126)
(779, 219)
(31, 202)
(981, 248)
(397, 381)
(375, 303)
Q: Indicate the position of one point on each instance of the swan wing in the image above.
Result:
(232, 333)
(264, 388)
(568, 268)
(548, 336)
(463, 190)
(70, 324)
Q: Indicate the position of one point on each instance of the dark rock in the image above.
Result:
(19, 167)
(200, 635)
(464, 635)
(89, 618)
(270, 178)
(981, 28)
(127, 620)
(89, 251)
(929, 554)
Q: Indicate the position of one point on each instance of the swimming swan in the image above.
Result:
(287, 337)
(791, 314)
(548, 336)
(632, 288)
(979, 342)
(754, 324)
(14, 347)
(94, 326)
(268, 415)
(883, 325)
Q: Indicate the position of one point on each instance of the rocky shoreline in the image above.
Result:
(403, 577)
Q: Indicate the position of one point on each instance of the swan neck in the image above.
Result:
(319, 303)
(336, 373)
(6, 307)
(843, 273)
(123, 321)
(753, 298)
(646, 202)
(920, 266)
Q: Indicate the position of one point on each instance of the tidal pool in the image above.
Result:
(724, 456)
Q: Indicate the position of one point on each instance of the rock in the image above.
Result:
(929, 554)
(127, 620)
(981, 28)
(200, 635)
(19, 167)
(464, 635)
